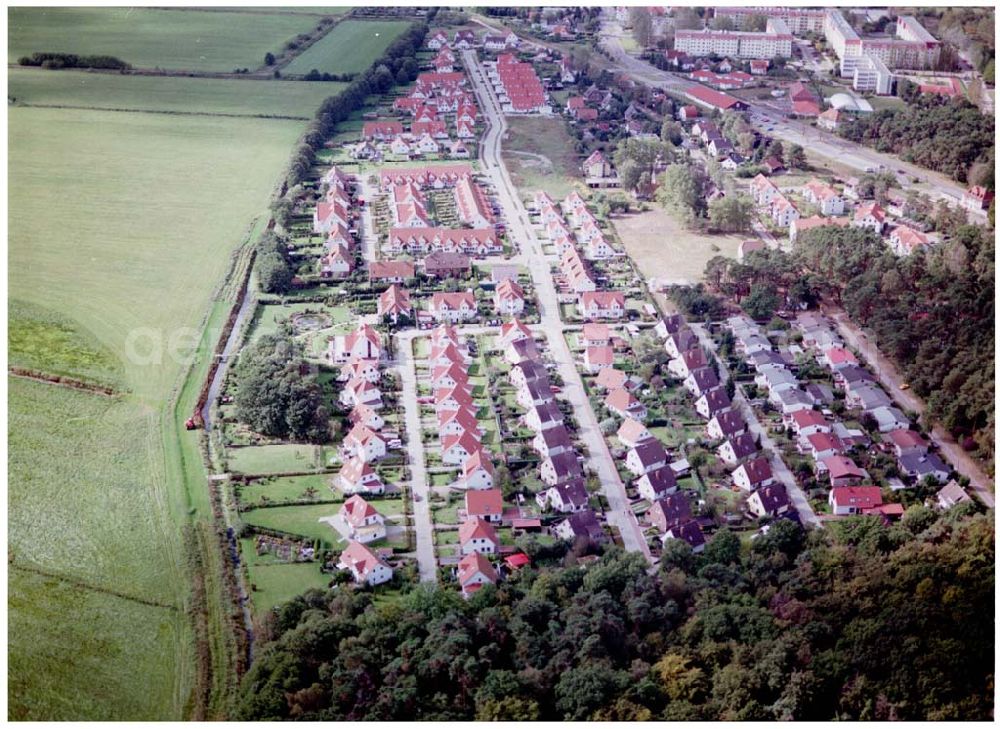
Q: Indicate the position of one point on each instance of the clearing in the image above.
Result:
(191, 40)
(366, 41)
(39, 87)
(545, 156)
(666, 251)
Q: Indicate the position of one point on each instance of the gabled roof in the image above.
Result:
(472, 564)
(360, 558)
(476, 528)
(488, 501)
(757, 470)
(355, 510)
(860, 497)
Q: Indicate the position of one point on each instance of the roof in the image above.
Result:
(712, 98)
(907, 439)
(479, 459)
(476, 528)
(670, 510)
(757, 470)
(621, 400)
(807, 418)
(489, 501)
(585, 524)
(660, 479)
(632, 430)
(860, 497)
(356, 510)
(742, 445)
(565, 465)
(650, 451)
(773, 497)
(730, 422)
(611, 379)
(472, 564)
(360, 558)
(571, 492)
(842, 467)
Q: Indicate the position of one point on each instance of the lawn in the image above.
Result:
(303, 521)
(282, 458)
(168, 93)
(544, 159)
(273, 584)
(288, 488)
(351, 47)
(85, 502)
(665, 250)
(120, 227)
(148, 38)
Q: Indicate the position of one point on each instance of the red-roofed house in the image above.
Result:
(847, 500)
(486, 504)
(365, 566)
(477, 535)
(602, 305)
(474, 571)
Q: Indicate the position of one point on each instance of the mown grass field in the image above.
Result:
(303, 521)
(268, 459)
(147, 38)
(120, 227)
(168, 93)
(349, 48)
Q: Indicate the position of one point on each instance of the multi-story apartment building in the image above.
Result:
(871, 74)
(913, 47)
(798, 20)
(731, 43)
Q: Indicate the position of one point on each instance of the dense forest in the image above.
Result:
(941, 135)
(859, 621)
(932, 313)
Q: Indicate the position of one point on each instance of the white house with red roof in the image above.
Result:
(847, 500)
(394, 302)
(477, 536)
(871, 216)
(364, 443)
(358, 477)
(457, 449)
(904, 240)
(624, 404)
(366, 415)
(486, 504)
(474, 570)
(362, 343)
(602, 305)
(453, 307)
(477, 471)
(509, 297)
(365, 566)
(824, 196)
(364, 522)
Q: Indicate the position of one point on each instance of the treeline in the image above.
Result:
(945, 136)
(861, 621)
(932, 314)
(398, 65)
(70, 60)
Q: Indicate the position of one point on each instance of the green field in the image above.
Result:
(289, 488)
(120, 227)
(303, 521)
(546, 158)
(366, 41)
(86, 503)
(272, 459)
(168, 93)
(172, 39)
(274, 583)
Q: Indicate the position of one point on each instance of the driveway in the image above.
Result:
(619, 513)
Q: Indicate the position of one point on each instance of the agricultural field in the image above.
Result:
(37, 87)
(194, 40)
(664, 250)
(366, 41)
(541, 155)
(121, 225)
(95, 560)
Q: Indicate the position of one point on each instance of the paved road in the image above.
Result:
(619, 513)
(814, 140)
(891, 380)
(422, 523)
(778, 466)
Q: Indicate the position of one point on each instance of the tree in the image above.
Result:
(681, 192)
(685, 18)
(269, 59)
(679, 679)
(797, 157)
(273, 395)
(635, 157)
(274, 274)
(642, 26)
(722, 22)
(671, 132)
(732, 213)
(761, 303)
(383, 78)
(755, 23)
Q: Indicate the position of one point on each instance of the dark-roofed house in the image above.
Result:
(669, 511)
(726, 425)
(646, 456)
(701, 380)
(688, 531)
(566, 497)
(735, 449)
(557, 469)
(753, 474)
(920, 466)
(712, 402)
(581, 525)
(447, 264)
(769, 501)
(552, 441)
(657, 483)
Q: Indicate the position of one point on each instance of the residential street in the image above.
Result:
(778, 467)
(422, 524)
(619, 513)
(891, 380)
